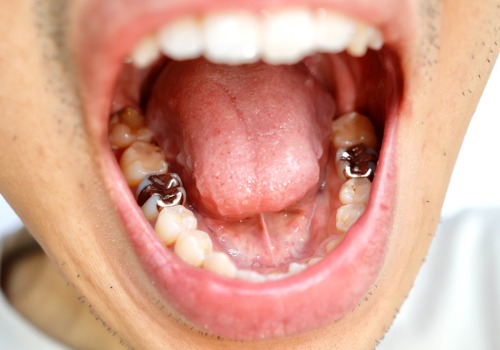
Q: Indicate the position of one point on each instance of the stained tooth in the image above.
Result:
(333, 31)
(221, 264)
(120, 136)
(347, 215)
(288, 36)
(296, 268)
(182, 39)
(358, 45)
(351, 129)
(232, 37)
(172, 221)
(145, 52)
(131, 117)
(193, 247)
(355, 190)
(140, 160)
(314, 261)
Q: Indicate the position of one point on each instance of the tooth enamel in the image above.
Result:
(288, 36)
(251, 276)
(172, 221)
(145, 52)
(351, 129)
(182, 39)
(232, 37)
(193, 247)
(140, 160)
(144, 135)
(347, 215)
(355, 191)
(282, 36)
(332, 244)
(333, 31)
(120, 135)
(359, 43)
(131, 117)
(294, 268)
(150, 209)
(340, 165)
(221, 264)
(314, 261)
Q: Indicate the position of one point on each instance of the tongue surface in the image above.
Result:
(246, 139)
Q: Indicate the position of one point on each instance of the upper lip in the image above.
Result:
(234, 308)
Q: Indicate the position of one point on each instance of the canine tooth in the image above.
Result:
(351, 129)
(333, 31)
(181, 39)
(251, 276)
(145, 52)
(193, 246)
(355, 191)
(358, 45)
(172, 221)
(347, 215)
(288, 36)
(294, 268)
(221, 264)
(141, 159)
(232, 37)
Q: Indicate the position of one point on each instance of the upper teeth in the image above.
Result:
(283, 36)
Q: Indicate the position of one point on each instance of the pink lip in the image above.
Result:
(232, 308)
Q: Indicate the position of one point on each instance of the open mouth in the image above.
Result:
(250, 153)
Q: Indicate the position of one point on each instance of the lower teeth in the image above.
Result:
(162, 196)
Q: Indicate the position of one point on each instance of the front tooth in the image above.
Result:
(172, 221)
(232, 37)
(294, 268)
(251, 276)
(333, 31)
(182, 39)
(375, 39)
(288, 36)
(193, 247)
(355, 190)
(142, 159)
(347, 215)
(145, 52)
(221, 264)
(358, 45)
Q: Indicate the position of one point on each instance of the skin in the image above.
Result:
(49, 178)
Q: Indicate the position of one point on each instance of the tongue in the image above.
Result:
(246, 139)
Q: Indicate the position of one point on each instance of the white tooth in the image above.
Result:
(351, 129)
(355, 190)
(340, 165)
(333, 31)
(358, 45)
(172, 221)
(145, 52)
(275, 276)
(347, 215)
(181, 39)
(288, 36)
(294, 268)
(120, 136)
(375, 39)
(142, 159)
(221, 264)
(251, 276)
(232, 37)
(193, 247)
(150, 208)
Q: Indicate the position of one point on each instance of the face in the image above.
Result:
(63, 90)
